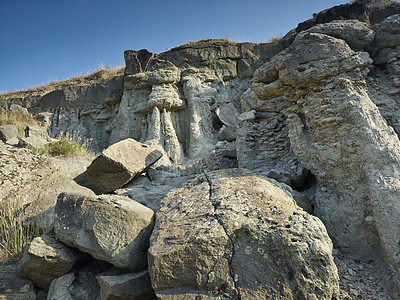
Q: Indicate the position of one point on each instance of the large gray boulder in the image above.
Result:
(117, 165)
(111, 228)
(40, 212)
(46, 259)
(232, 233)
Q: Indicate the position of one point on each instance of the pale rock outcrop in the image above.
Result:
(85, 106)
(45, 259)
(199, 97)
(132, 286)
(117, 165)
(172, 104)
(7, 132)
(24, 175)
(111, 228)
(32, 142)
(19, 109)
(262, 141)
(339, 134)
(355, 33)
(234, 234)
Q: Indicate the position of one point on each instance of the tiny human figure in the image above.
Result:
(27, 131)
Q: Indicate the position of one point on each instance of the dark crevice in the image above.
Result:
(230, 258)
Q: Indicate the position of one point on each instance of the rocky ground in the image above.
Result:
(361, 280)
(367, 280)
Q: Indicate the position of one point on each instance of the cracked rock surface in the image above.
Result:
(237, 235)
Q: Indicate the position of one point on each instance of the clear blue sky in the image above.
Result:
(43, 40)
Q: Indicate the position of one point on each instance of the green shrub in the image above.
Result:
(67, 145)
(63, 147)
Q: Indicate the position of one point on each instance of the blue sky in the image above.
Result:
(43, 40)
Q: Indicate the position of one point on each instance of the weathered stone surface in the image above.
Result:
(354, 10)
(227, 114)
(111, 228)
(32, 142)
(85, 107)
(356, 33)
(236, 234)
(19, 109)
(227, 133)
(339, 134)
(24, 175)
(80, 282)
(36, 131)
(132, 286)
(46, 259)
(61, 287)
(386, 34)
(117, 165)
(40, 212)
(149, 190)
(8, 132)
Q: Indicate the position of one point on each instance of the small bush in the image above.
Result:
(68, 145)
(14, 235)
(63, 147)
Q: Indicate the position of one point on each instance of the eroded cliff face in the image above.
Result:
(321, 114)
(341, 128)
(184, 100)
(84, 106)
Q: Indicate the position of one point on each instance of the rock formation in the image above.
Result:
(111, 228)
(339, 134)
(235, 234)
(314, 118)
(117, 165)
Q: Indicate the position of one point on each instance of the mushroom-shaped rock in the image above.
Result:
(237, 234)
(117, 165)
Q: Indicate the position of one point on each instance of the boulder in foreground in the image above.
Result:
(111, 228)
(117, 165)
(46, 259)
(235, 234)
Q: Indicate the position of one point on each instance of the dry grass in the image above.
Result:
(101, 74)
(275, 39)
(14, 235)
(17, 118)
